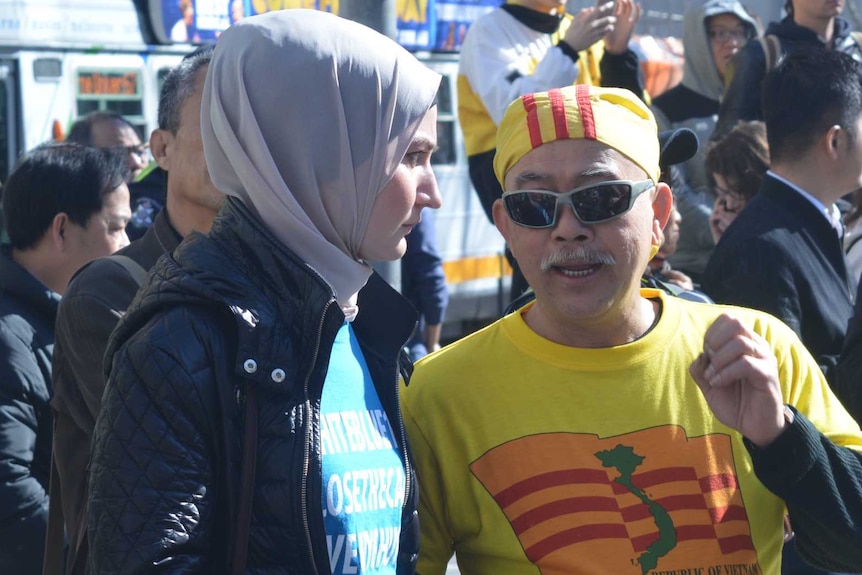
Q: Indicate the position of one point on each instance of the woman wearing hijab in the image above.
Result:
(251, 419)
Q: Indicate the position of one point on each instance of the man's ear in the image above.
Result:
(832, 141)
(57, 231)
(662, 206)
(159, 141)
(501, 218)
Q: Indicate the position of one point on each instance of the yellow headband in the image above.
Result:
(612, 116)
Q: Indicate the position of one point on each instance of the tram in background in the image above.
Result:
(60, 59)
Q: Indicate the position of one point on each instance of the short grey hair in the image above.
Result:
(179, 85)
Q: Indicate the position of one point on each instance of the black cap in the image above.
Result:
(676, 147)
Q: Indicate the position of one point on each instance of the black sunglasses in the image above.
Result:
(592, 204)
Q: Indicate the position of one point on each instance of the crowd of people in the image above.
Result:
(677, 387)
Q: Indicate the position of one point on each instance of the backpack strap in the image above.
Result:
(53, 558)
(857, 35)
(138, 273)
(246, 494)
(771, 50)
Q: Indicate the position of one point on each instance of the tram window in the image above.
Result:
(445, 153)
(47, 69)
(444, 96)
(87, 106)
(116, 90)
(125, 107)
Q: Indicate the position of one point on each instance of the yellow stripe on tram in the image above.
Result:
(467, 269)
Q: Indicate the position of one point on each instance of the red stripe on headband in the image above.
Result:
(532, 120)
(582, 96)
(558, 112)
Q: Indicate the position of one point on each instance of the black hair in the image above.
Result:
(58, 178)
(179, 85)
(804, 95)
(81, 131)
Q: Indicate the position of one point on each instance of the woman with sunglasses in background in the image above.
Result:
(737, 164)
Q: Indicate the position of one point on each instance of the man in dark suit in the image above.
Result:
(783, 253)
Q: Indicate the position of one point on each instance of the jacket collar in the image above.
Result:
(160, 238)
(788, 29)
(18, 284)
(789, 199)
(533, 19)
(275, 300)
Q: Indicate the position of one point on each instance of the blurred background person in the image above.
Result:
(852, 235)
(111, 131)
(423, 283)
(713, 31)
(737, 164)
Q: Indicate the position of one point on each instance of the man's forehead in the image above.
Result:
(110, 133)
(573, 160)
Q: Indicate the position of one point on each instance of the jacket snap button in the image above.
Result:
(250, 366)
(278, 375)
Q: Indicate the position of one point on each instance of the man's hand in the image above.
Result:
(627, 15)
(678, 278)
(720, 219)
(590, 25)
(738, 375)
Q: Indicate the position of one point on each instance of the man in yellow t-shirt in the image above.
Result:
(609, 429)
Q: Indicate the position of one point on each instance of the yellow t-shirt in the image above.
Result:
(535, 457)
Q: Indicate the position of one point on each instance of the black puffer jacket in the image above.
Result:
(28, 310)
(165, 472)
(742, 99)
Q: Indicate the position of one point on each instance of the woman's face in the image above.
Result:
(397, 208)
(727, 34)
(728, 204)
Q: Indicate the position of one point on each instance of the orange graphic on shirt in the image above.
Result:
(653, 500)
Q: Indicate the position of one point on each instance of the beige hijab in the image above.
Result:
(305, 117)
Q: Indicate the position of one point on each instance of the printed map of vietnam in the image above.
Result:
(622, 502)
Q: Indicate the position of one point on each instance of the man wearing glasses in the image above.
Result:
(109, 130)
(606, 428)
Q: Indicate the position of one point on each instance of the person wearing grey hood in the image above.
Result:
(714, 30)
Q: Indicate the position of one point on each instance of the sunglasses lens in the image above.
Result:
(532, 209)
(602, 202)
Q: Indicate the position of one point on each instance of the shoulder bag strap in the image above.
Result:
(771, 50)
(138, 273)
(53, 558)
(246, 495)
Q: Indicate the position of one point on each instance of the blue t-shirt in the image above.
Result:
(363, 475)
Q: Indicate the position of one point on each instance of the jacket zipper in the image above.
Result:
(407, 475)
(307, 448)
